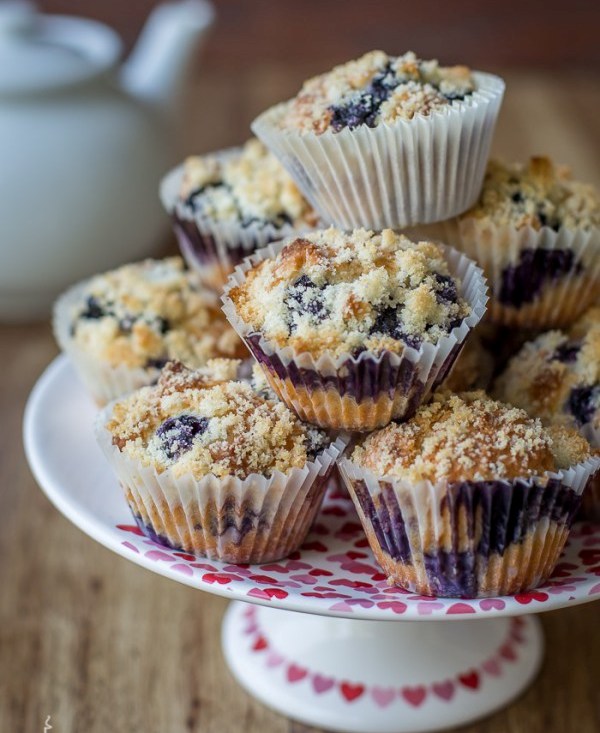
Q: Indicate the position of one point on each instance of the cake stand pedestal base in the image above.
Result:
(380, 676)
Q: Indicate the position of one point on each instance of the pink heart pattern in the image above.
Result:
(335, 571)
(415, 695)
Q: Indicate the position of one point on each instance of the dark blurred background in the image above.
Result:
(549, 34)
(260, 51)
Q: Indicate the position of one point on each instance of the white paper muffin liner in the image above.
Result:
(393, 175)
(469, 538)
(590, 505)
(359, 393)
(102, 380)
(560, 300)
(211, 247)
(254, 520)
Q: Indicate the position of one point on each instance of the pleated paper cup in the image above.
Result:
(467, 539)
(211, 247)
(254, 520)
(104, 381)
(364, 392)
(535, 295)
(590, 505)
(396, 174)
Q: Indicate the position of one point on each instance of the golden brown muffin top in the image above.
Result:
(193, 423)
(337, 292)
(142, 314)
(373, 89)
(536, 194)
(556, 377)
(249, 186)
(468, 437)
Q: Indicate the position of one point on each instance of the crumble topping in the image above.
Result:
(536, 194)
(248, 187)
(346, 292)
(556, 377)
(195, 424)
(373, 89)
(142, 314)
(468, 437)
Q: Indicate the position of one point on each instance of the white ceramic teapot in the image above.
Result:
(83, 144)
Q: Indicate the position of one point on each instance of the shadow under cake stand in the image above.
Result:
(316, 636)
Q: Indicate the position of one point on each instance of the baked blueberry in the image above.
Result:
(177, 434)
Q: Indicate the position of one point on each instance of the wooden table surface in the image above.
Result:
(100, 644)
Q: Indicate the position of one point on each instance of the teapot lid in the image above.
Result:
(43, 52)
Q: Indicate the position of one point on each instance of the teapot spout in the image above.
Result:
(157, 67)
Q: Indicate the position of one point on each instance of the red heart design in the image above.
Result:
(469, 679)
(351, 692)
(460, 608)
(131, 528)
(260, 644)
(507, 652)
(314, 545)
(334, 511)
(414, 695)
(362, 542)
(445, 690)
(317, 572)
(296, 673)
(395, 606)
(185, 556)
(353, 555)
(262, 579)
(534, 595)
(216, 578)
(276, 592)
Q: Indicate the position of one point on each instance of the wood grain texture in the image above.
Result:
(103, 645)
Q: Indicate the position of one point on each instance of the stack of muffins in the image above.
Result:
(350, 245)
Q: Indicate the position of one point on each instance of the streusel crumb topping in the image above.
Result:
(339, 292)
(556, 377)
(249, 187)
(536, 194)
(373, 89)
(468, 437)
(193, 423)
(143, 314)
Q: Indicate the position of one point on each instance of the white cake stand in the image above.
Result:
(339, 664)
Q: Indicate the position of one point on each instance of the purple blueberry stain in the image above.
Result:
(445, 289)
(176, 434)
(93, 309)
(583, 403)
(388, 323)
(522, 283)
(567, 352)
(304, 297)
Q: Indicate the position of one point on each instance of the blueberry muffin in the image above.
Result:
(536, 233)
(556, 377)
(351, 328)
(213, 468)
(468, 498)
(368, 141)
(375, 89)
(121, 327)
(226, 205)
